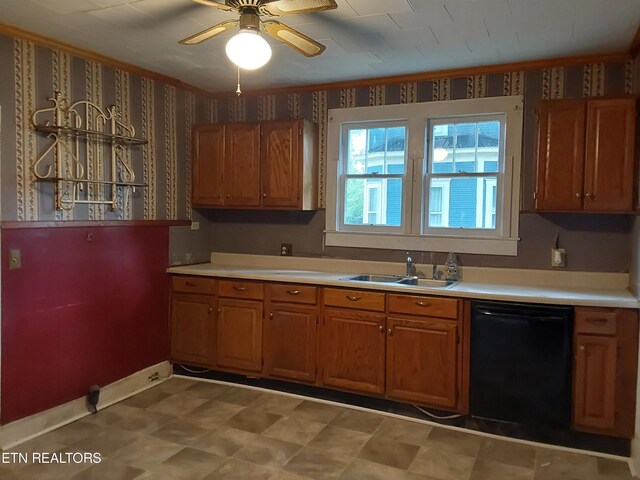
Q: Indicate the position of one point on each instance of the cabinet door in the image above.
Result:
(609, 161)
(560, 155)
(192, 329)
(595, 381)
(239, 335)
(290, 342)
(208, 165)
(242, 165)
(353, 349)
(281, 158)
(422, 362)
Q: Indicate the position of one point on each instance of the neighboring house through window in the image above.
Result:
(433, 176)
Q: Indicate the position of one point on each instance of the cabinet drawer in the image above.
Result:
(293, 293)
(241, 289)
(354, 299)
(193, 285)
(602, 322)
(427, 306)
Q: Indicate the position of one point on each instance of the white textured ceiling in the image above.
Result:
(364, 38)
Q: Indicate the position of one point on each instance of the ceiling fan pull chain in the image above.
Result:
(238, 91)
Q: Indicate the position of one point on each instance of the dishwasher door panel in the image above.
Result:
(521, 363)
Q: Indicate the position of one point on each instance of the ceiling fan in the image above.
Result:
(250, 22)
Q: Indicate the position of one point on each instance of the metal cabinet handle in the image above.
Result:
(381, 328)
(210, 309)
(271, 315)
(578, 195)
(581, 348)
(239, 288)
(353, 298)
(390, 332)
(219, 310)
(294, 292)
(589, 195)
(228, 195)
(422, 304)
(264, 195)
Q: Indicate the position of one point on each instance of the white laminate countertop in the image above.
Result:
(595, 296)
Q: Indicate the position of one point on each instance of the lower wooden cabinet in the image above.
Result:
(193, 329)
(422, 361)
(290, 342)
(239, 335)
(605, 370)
(353, 350)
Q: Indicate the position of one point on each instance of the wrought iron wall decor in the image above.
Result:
(88, 153)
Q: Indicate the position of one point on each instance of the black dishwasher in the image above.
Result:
(521, 363)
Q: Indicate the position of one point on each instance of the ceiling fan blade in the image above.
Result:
(209, 32)
(280, 8)
(305, 45)
(213, 3)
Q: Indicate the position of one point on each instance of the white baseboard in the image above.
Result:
(634, 461)
(25, 429)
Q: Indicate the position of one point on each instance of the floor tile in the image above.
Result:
(147, 398)
(404, 431)
(273, 403)
(177, 385)
(363, 470)
(356, 420)
(106, 442)
(43, 443)
(145, 421)
(613, 469)
(389, 452)
(254, 421)
(146, 453)
(207, 390)
(238, 396)
(294, 430)
(177, 405)
(236, 469)
(511, 453)
(316, 464)
(109, 470)
(268, 452)
(189, 464)
(180, 431)
(111, 414)
(68, 434)
(490, 470)
(442, 464)
(224, 441)
(454, 441)
(557, 463)
(316, 412)
(340, 441)
(213, 413)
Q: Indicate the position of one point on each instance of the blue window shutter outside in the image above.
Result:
(394, 196)
(462, 202)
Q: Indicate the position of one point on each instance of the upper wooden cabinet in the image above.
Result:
(585, 155)
(267, 165)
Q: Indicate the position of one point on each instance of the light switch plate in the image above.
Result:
(15, 259)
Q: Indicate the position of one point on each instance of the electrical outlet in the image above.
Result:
(558, 257)
(195, 225)
(15, 259)
(286, 249)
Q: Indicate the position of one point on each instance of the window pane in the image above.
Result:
(356, 151)
(466, 147)
(373, 202)
(395, 155)
(463, 202)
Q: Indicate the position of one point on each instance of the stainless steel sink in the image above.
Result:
(399, 279)
(375, 278)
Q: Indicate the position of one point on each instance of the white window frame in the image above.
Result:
(417, 116)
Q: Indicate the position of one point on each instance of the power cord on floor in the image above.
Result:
(191, 370)
(446, 417)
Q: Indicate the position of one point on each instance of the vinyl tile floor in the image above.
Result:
(194, 430)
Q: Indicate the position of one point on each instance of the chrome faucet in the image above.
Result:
(411, 268)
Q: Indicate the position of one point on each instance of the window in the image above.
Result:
(434, 176)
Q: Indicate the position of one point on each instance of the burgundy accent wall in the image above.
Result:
(90, 305)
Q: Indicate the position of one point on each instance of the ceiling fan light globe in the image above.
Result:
(248, 50)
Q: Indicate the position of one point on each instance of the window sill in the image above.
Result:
(485, 246)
